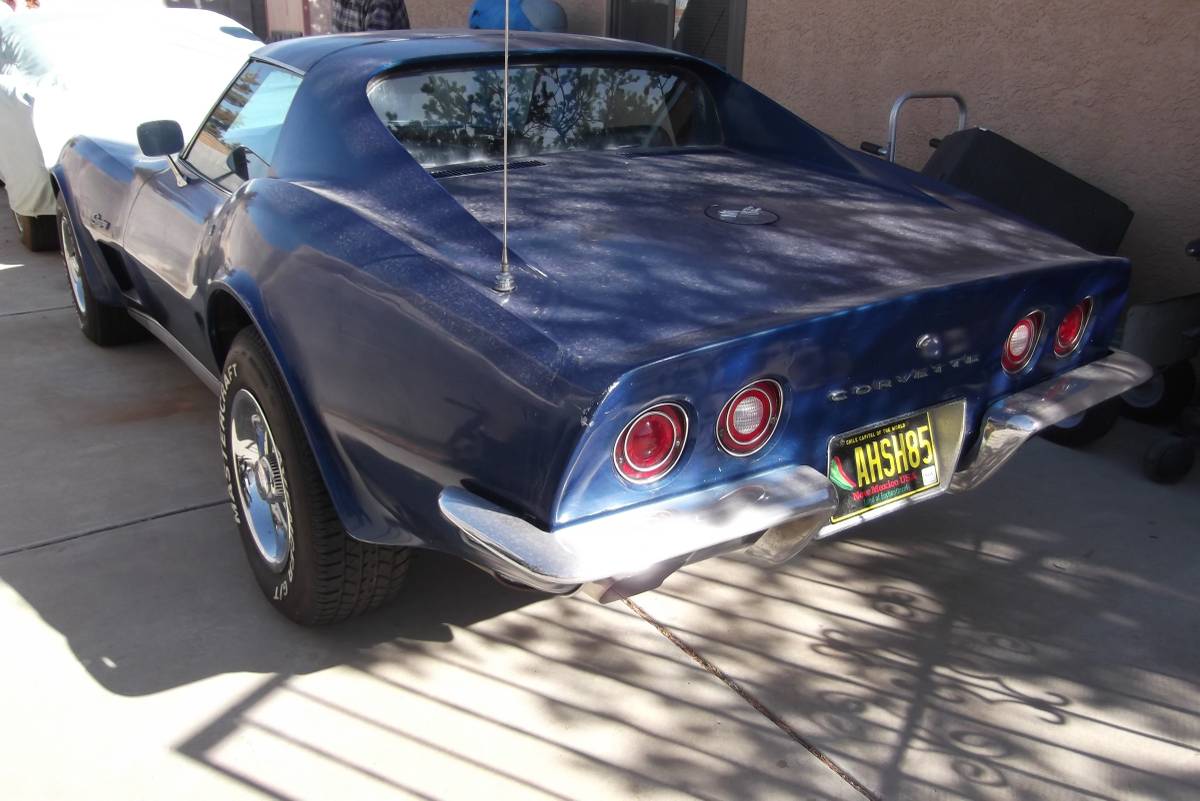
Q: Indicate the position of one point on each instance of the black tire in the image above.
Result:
(1169, 460)
(38, 234)
(1162, 398)
(327, 576)
(1091, 426)
(105, 325)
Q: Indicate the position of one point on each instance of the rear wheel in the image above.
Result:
(1163, 397)
(37, 233)
(104, 325)
(1084, 429)
(305, 563)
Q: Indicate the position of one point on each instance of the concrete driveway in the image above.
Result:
(1037, 639)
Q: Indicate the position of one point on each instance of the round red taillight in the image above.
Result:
(1071, 329)
(650, 446)
(749, 418)
(1022, 342)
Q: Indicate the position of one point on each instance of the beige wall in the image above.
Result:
(285, 15)
(1108, 89)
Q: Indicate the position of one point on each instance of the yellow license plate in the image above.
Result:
(880, 465)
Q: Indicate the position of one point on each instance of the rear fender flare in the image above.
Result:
(243, 288)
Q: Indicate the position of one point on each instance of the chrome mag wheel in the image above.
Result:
(261, 485)
(70, 251)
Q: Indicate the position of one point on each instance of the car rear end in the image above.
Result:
(783, 338)
(770, 440)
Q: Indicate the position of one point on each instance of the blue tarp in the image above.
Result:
(524, 15)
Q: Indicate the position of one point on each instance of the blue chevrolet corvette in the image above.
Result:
(725, 330)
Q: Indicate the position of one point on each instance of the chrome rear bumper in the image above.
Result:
(1012, 420)
(645, 544)
(632, 550)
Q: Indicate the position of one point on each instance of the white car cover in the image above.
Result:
(74, 68)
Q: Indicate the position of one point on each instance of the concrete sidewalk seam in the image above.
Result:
(33, 546)
(34, 311)
(749, 698)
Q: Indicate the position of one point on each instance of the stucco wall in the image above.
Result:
(1108, 89)
(284, 15)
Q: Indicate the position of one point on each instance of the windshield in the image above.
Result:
(454, 116)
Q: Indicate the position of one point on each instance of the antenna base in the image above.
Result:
(504, 282)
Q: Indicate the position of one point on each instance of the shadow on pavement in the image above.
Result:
(462, 688)
(169, 602)
(1035, 639)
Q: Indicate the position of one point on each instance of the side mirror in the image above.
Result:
(160, 138)
(1193, 249)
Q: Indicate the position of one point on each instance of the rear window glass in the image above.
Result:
(454, 116)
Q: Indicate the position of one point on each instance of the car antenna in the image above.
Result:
(504, 279)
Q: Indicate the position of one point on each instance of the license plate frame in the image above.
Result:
(886, 483)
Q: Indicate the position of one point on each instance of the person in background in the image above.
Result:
(352, 16)
(524, 15)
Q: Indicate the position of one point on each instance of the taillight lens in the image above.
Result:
(1071, 329)
(650, 446)
(749, 418)
(1022, 342)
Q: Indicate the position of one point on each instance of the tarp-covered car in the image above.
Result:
(727, 330)
(100, 69)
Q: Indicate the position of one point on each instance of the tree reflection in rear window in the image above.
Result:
(454, 116)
